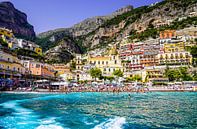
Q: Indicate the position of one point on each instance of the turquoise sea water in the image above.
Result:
(99, 111)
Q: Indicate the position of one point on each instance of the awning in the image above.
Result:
(19, 75)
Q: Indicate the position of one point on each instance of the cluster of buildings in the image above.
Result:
(147, 59)
(14, 43)
(11, 66)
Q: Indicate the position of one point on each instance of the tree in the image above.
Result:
(110, 78)
(195, 40)
(195, 75)
(194, 51)
(178, 74)
(172, 74)
(134, 78)
(118, 73)
(95, 73)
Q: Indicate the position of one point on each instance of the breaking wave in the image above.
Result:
(115, 123)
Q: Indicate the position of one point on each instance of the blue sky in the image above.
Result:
(51, 14)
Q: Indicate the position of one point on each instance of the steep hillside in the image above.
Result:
(63, 52)
(15, 20)
(139, 23)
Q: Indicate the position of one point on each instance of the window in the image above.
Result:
(107, 62)
(172, 56)
(8, 59)
(98, 62)
(115, 61)
(37, 66)
(18, 69)
(181, 55)
(103, 62)
(8, 67)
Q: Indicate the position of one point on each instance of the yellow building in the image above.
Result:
(174, 47)
(175, 58)
(38, 50)
(107, 64)
(10, 65)
(154, 75)
(6, 33)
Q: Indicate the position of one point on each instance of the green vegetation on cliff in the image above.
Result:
(28, 53)
(45, 43)
(154, 32)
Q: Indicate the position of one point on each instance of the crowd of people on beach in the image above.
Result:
(23, 86)
(104, 88)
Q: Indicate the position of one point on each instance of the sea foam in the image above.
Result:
(115, 123)
(49, 127)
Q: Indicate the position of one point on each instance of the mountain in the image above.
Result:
(63, 52)
(15, 20)
(139, 23)
(86, 26)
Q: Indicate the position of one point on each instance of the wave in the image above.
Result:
(17, 108)
(51, 126)
(27, 117)
(115, 123)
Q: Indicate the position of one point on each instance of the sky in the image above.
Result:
(47, 15)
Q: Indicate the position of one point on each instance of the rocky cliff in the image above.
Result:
(15, 20)
(64, 51)
(142, 22)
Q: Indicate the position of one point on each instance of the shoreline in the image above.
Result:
(59, 92)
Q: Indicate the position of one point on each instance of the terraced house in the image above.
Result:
(10, 65)
(6, 34)
(166, 36)
(175, 53)
(130, 54)
(25, 44)
(39, 69)
(13, 43)
(107, 64)
(151, 48)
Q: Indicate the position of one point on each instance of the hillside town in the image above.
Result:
(120, 63)
(96, 65)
